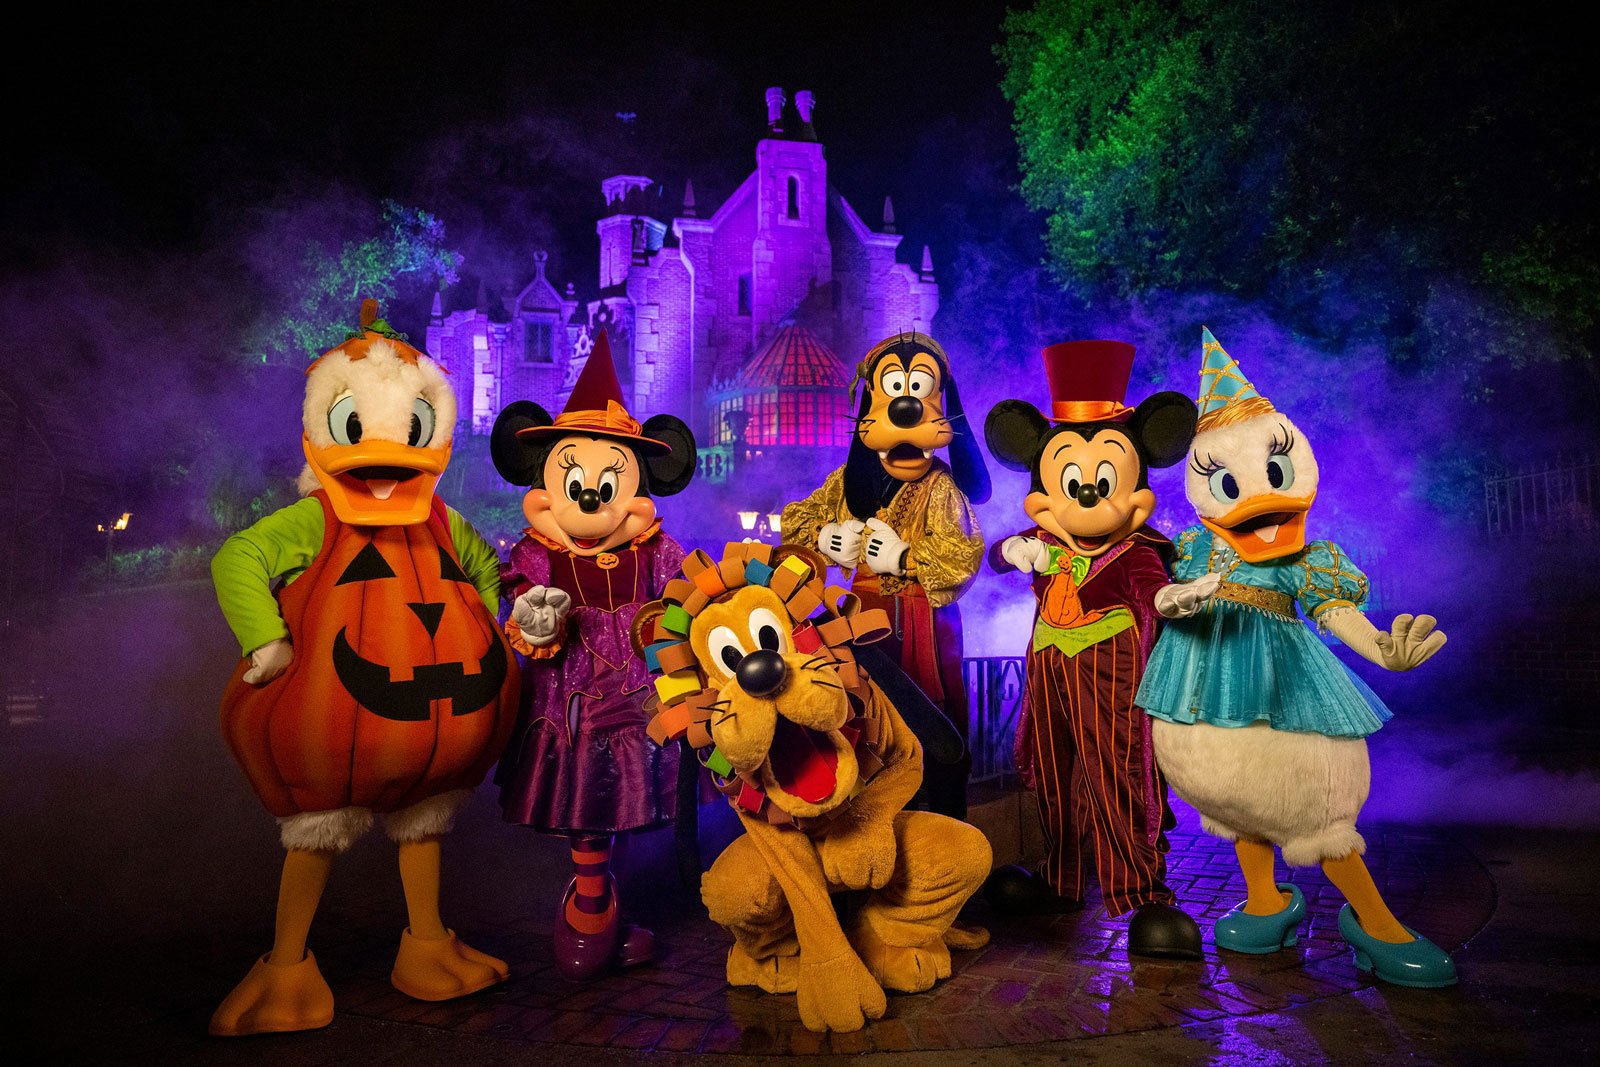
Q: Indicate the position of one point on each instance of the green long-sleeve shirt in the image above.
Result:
(283, 544)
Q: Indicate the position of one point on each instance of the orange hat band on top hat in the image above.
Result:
(1087, 410)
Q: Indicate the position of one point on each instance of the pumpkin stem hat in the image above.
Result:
(595, 407)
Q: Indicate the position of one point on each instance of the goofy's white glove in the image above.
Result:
(885, 551)
(269, 661)
(841, 542)
(539, 614)
(1027, 554)
(1410, 642)
(1183, 599)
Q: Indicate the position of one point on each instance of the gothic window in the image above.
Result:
(744, 295)
(794, 197)
(536, 343)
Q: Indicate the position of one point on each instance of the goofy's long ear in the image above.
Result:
(672, 472)
(864, 476)
(1163, 424)
(1013, 430)
(966, 458)
(519, 461)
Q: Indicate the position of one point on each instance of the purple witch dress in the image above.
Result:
(579, 761)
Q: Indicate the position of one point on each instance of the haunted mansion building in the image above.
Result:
(746, 322)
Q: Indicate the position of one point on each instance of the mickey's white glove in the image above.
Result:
(1027, 554)
(539, 614)
(1410, 642)
(1183, 599)
(885, 552)
(269, 661)
(841, 542)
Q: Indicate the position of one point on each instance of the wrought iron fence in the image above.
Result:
(1557, 498)
(995, 692)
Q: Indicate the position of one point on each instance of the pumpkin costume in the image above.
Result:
(819, 765)
(375, 677)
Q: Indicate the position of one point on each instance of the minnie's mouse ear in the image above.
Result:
(519, 462)
(672, 472)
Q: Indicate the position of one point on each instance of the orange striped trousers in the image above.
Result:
(1089, 766)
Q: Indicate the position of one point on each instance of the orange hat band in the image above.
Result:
(1087, 410)
(614, 418)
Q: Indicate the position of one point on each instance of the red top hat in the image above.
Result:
(595, 406)
(1089, 380)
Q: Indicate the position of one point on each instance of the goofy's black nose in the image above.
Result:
(1088, 495)
(762, 673)
(905, 411)
(589, 501)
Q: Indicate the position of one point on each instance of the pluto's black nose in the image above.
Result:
(589, 501)
(905, 411)
(762, 673)
(1088, 495)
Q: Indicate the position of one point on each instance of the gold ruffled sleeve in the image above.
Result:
(804, 519)
(945, 558)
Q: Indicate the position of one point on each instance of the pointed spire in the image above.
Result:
(483, 296)
(437, 314)
(539, 259)
(688, 199)
(927, 264)
(1226, 395)
(888, 215)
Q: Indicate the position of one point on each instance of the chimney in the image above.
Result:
(804, 102)
(926, 273)
(483, 297)
(688, 199)
(775, 109)
(888, 215)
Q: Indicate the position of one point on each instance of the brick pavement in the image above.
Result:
(1046, 979)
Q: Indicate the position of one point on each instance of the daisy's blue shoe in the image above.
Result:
(1420, 964)
(1239, 931)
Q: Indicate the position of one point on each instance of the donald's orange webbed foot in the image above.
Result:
(443, 968)
(275, 999)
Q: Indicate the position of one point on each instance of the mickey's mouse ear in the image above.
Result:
(1013, 431)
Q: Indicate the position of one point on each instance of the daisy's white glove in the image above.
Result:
(841, 542)
(885, 551)
(539, 614)
(1183, 599)
(269, 661)
(1027, 554)
(1410, 642)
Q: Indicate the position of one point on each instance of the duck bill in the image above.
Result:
(378, 483)
(1264, 527)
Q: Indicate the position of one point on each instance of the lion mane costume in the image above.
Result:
(758, 674)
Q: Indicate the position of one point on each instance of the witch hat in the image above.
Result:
(1226, 395)
(595, 406)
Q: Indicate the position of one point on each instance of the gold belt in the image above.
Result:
(1256, 597)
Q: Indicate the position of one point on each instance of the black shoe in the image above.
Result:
(1014, 890)
(1160, 931)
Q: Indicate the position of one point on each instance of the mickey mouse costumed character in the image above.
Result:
(375, 679)
(580, 763)
(902, 522)
(1101, 579)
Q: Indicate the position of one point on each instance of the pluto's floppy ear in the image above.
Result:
(864, 476)
(1163, 424)
(672, 472)
(966, 458)
(519, 462)
(1013, 430)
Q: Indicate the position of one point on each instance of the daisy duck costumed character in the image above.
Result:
(375, 679)
(1100, 576)
(580, 763)
(1257, 725)
(900, 521)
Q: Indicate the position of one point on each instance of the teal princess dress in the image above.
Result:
(1247, 657)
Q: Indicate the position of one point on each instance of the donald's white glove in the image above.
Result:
(1183, 599)
(885, 551)
(1027, 554)
(539, 614)
(841, 542)
(269, 661)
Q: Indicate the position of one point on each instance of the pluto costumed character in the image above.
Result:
(1257, 725)
(758, 672)
(580, 763)
(375, 678)
(900, 522)
(1099, 576)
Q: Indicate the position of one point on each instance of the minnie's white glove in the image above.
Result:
(885, 551)
(1027, 554)
(539, 614)
(269, 661)
(841, 542)
(1183, 599)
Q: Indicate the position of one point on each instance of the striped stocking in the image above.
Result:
(591, 862)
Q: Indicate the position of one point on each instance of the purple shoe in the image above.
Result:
(582, 956)
(638, 946)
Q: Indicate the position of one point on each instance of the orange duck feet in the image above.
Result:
(275, 999)
(443, 968)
